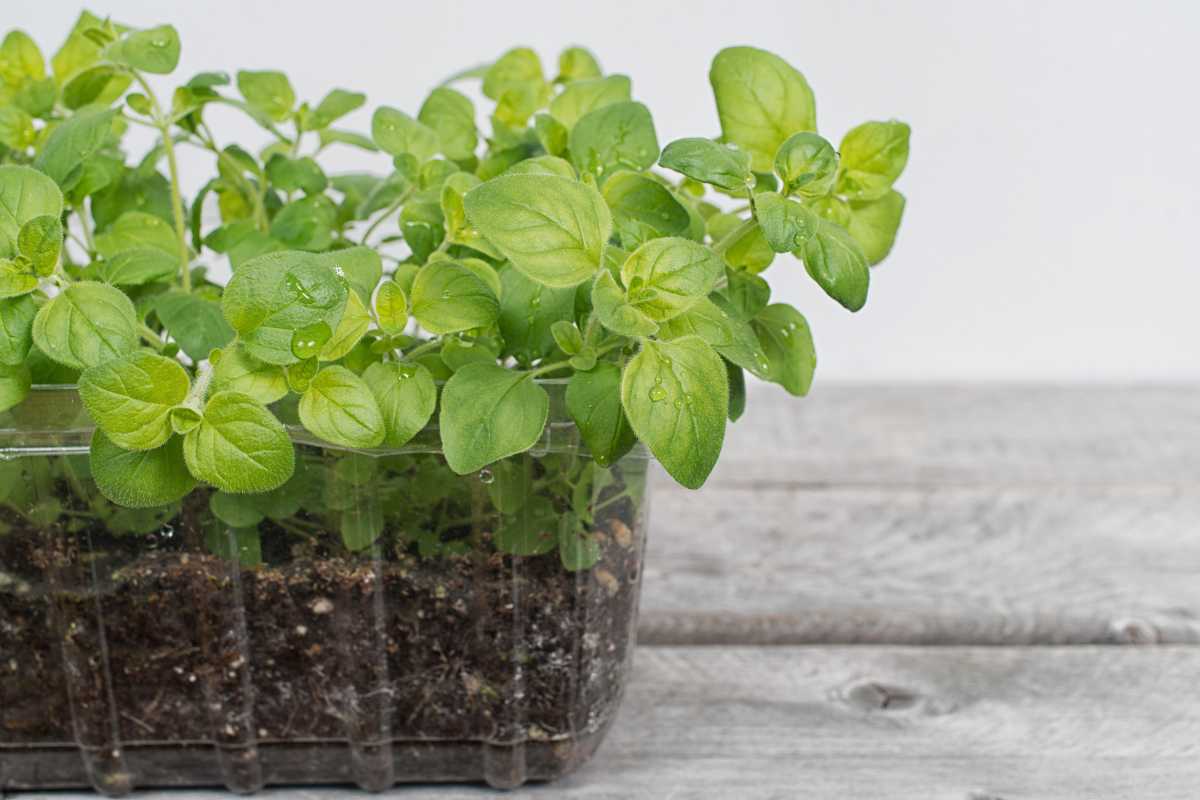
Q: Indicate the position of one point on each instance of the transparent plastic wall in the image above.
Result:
(367, 623)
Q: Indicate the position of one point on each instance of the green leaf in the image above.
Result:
(785, 223)
(527, 311)
(90, 85)
(873, 156)
(578, 548)
(749, 251)
(137, 230)
(240, 446)
(16, 129)
(838, 265)
(335, 105)
(396, 133)
(25, 194)
(196, 324)
(488, 413)
(451, 116)
(16, 278)
(236, 510)
(586, 95)
(155, 50)
(340, 408)
(737, 391)
(448, 297)
(567, 336)
(269, 93)
(15, 381)
(644, 209)
(709, 162)
(243, 545)
(594, 403)
(531, 531)
(458, 230)
(272, 297)
(731, 337)
(787, 341)
(391, 307)
(807, 165)
(332, 136)
(676, 396)
(552, 136)
(665, 277)
(40, 240)
(356, 320)
(746, 294)
(238, 371)
(406, 395)
(616, 312)
(21, 59)
(550, 228)
(306, 224)
(131, 398)
(86, 324)
(361, 524)
(613, 137)
(575, 64)
(73, 142)
(16, 329)
(361, 266)
(761, 100)
(518, 85)
(138, 267)
(296, 174)
(873, 224)
(140, 479)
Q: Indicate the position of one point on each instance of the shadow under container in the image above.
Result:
(363, 624)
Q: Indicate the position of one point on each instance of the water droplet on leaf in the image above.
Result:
(308, 341)
(486, 476)
(658, 393)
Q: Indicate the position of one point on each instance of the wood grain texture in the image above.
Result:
(884, 722)
(856, 435)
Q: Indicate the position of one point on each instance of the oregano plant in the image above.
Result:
(546, 236)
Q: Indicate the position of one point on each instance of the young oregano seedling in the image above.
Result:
(556, 240)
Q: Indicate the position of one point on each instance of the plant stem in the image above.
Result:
(387, 212)
(151, 337)
(432, 344)
(256, 192)
(164, 127)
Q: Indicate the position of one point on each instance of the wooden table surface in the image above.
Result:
(921, 592)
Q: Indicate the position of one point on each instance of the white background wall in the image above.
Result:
(1054, 183)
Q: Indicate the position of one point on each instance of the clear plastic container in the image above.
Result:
(368, 629)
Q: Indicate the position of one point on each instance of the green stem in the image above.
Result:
(152, 338)
(557, 365)
(387, 212)
(164, 127)
(432, 344)
(255, 192)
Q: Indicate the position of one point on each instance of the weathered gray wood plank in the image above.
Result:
(966, 434)
(951, 565)
(886, 722)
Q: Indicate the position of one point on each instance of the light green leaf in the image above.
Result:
(361, 524)
(131, 398)
(761, 100)
(16, 129)
(339, 407)
(140, 479)
(527, 311)
(391, 307)
(676, 396)
(873, 224)
(749, 251)
(137, 230)
(594, 403)
(335, 105)
(238, 371)
(448, 297)
(837, 264)
(40, 240)
(356, 320)
(90, 85)
(567, 336)
(406, 395)
(155, 50)
(552, 136)
(731, 337)
(396, 133)
(268, 92)
(16, 278)
(306, 224)
(543, 165)
(531, 531)
(614, 137)
(296, 174)
(195, 323)
(361, 266)
(578, 548)
(665, 277)
(236, 510)
(807, 165)
(25, 194)
(517, 83)
(488, 413)
(451, 116)
(240, 446)
(16, 329)
(458, 229)
(139, 266)
(746, 294)
(616, 312)
(586, 95)
(73, 142)
(577, 63)
(707, 161)
(787, 341)
(550, 228)
(644, 209)
(272, 297)
(21, 60)
(86, 324)
(15, 381)
(785, 223)
(873, 156)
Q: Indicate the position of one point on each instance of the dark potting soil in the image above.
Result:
(105, 640)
